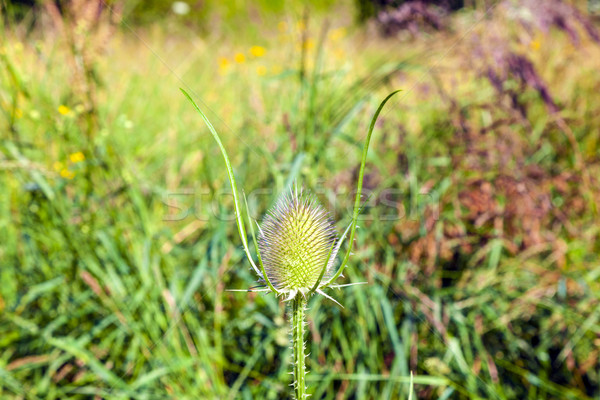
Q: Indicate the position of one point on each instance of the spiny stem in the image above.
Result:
(298, 307)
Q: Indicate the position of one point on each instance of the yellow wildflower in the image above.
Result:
(65, 173)
(308, 44)
(64, 110)
(282, 26)
(261, 70)
(239, 58)
(18, 113)
(223, 65)
(257, 51)
(77, 157)
(535, 44)
(57, 166)
(337, 34)
(223, 62)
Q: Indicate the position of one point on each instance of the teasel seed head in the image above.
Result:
(296, 239)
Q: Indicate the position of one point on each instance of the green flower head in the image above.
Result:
(297, 243)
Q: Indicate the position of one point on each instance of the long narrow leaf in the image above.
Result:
(335, 247)
(238, 214)
(359, 187)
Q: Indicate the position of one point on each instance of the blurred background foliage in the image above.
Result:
(480, 241)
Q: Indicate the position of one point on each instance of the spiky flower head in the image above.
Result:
(297, 241)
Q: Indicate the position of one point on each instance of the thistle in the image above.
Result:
(296, 247)
(297, 244)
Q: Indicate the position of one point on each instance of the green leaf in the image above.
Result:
(359, 187)
(236, 202)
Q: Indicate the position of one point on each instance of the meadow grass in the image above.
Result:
(119, 239)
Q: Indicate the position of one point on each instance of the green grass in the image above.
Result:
(114, 281)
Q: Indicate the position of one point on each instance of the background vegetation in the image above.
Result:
(480, 243)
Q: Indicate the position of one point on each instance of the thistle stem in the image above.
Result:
(298, 323)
